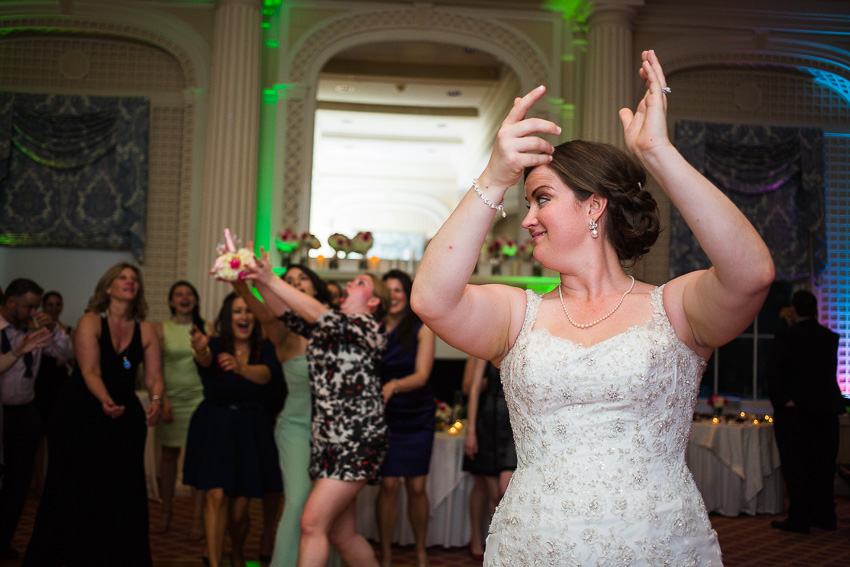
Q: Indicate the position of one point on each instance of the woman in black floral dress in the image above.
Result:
(349, 435)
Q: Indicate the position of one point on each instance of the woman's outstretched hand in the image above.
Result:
(515, 148)
(261, 270)
(646, 129)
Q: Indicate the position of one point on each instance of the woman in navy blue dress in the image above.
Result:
(410, 416)
(230, 449)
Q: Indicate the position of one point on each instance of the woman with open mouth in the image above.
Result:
(230, 450)
(349, 434)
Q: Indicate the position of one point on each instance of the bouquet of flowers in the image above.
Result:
(340, 243)
(361, 243)
(502, 247)
(231, 262)
(717, 403)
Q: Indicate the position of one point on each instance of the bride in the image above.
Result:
(601, 374)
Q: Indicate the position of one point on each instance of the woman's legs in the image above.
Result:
(478, 503)
(418, 512)
(327, 502)
(271, 505)
(387, 511)
(239, 524)
(168, 479)
(196, 532)
(353, 547)
(215, 520)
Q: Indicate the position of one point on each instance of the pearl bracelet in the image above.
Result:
(500, 207)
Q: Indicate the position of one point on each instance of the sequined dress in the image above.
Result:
(601, 433)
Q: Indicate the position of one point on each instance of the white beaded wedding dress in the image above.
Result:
(601, 434)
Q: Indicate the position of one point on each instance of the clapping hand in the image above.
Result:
(33, 340)
(515, 147)
(646, 129)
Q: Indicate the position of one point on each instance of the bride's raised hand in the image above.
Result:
(261, 269)
(646, 129)
(515, 147)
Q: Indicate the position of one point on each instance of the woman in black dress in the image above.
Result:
(230, 450)
(94, 511)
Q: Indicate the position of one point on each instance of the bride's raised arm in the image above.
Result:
(480, 320)
(710, 307)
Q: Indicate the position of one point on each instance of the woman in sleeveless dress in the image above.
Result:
(94, 511)
(409, 398)
(600, 375)
(292, 427)
(183, 393)
(349, 434)
(488, 446)
(230, 450)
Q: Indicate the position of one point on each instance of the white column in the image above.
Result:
(230, 169)
(610, 69)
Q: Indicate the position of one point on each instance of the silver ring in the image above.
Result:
(666, 90)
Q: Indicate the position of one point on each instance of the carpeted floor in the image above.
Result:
(746, 541)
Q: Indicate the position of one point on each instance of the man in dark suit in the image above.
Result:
(802, 385)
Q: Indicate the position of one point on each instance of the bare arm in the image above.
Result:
(422, 369)
(282, 338)
(476, 374)
(279, 294)
(153, 372)
(708, 308)
(441, 296)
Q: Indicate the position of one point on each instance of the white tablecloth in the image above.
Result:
(736, 467)
(448, 494)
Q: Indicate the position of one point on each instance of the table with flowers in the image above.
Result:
(448, 494)
(735, 464)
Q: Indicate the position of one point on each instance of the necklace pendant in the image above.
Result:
(126, 364)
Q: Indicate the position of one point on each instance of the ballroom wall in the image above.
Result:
(765, 62)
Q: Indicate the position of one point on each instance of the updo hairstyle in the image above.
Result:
(587, 168)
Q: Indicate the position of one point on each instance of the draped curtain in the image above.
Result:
(73, 171)
(775, 176)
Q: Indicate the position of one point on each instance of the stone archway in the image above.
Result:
(414, 24)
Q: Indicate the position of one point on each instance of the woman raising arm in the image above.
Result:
(600, 375)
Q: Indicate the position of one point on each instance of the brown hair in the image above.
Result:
(382, 292)
(100, 300)
(631, 215)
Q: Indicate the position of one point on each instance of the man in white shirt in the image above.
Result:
(21, 419)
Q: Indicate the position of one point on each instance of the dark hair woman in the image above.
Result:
(183, 394)
(600, 375)
(230, 450)
(409, 399)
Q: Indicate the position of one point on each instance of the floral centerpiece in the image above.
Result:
(231, 263)
(443, 413)
(501, 248)
(341, 245)
(526, 253)
(306, 243)
(361, 243)
(717, 403)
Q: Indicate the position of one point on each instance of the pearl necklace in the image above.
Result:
(589, 325)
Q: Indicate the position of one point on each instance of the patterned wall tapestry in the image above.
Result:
(73, 171)
(775, 175)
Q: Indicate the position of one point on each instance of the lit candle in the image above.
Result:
(374, 263)
(715, 420)
(452, 430)
(321, 262)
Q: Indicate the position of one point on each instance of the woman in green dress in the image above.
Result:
(183, 393)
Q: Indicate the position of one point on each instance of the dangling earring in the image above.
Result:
(593, 226)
